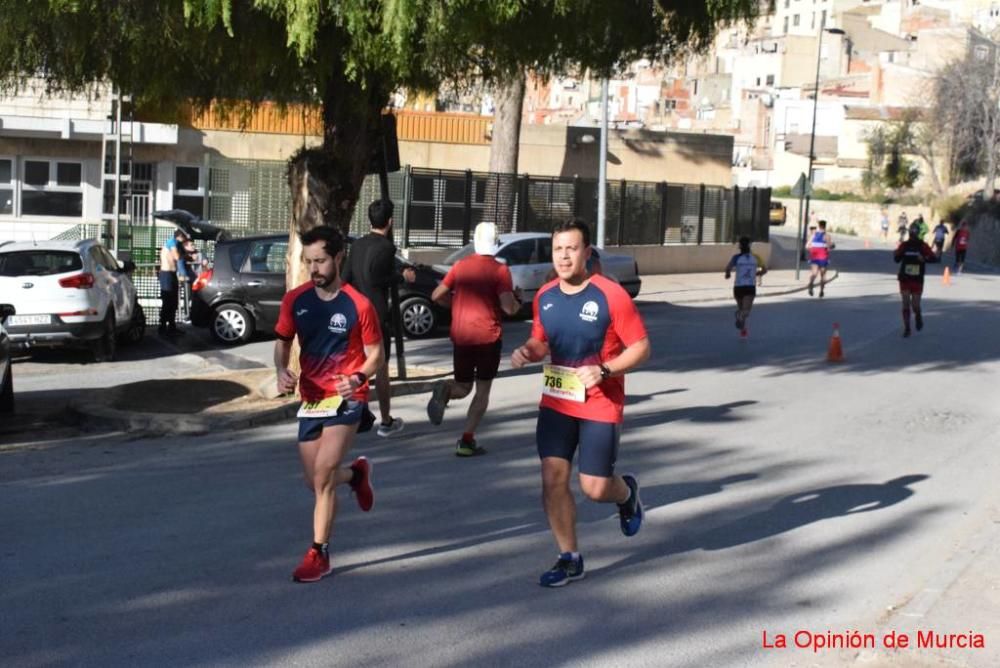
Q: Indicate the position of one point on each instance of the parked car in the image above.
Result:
(6, 368)
(70, 293)
(242, 291)
(193, 226)
(529, 257)
(778, 213)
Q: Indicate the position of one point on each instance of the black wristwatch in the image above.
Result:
(605, 371)
(362, 378)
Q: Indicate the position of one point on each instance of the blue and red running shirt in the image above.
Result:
(590, 327)
(332, 334)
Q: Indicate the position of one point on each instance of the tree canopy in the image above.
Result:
(162, 51)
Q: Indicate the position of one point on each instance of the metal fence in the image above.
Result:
(441, 208)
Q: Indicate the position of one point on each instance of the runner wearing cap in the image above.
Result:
(477, 287)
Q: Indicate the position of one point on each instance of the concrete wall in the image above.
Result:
(861, 217)
(984, 240)
(634, 155)
(679, 259)
(681, 157)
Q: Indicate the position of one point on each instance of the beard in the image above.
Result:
(321, 280)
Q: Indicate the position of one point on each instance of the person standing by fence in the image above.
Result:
(371, 268)
(170, 262)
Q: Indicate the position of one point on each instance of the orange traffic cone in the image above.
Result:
(835, 353)
(867, 243)
(946, 276)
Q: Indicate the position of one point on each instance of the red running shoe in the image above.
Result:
(362, 484)
(314, 567)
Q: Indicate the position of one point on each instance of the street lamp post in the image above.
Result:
(812, 142)
(602, 168)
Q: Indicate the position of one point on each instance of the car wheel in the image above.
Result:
(232, 324)
(105, 348)
(419, 318)
(7, 392)
(137, 328)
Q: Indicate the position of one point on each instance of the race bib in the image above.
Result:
(912, 270)
(320, 409)
(561, 382)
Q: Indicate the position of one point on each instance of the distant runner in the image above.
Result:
(748, 267)
(940, 234)
(341, 343)
(819, 246)
(912, 256)
(961, 246)
(594, 334)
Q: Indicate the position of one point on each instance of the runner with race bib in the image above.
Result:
(913, 256)
(341, 346)
(748, 267)
(593, 334)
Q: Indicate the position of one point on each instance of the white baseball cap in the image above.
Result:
(485, 239)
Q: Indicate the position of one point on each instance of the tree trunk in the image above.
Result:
(501, 186)
(325, 182)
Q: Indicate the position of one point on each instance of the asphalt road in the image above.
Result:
(783, 493)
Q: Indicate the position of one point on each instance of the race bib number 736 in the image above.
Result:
(561, 382)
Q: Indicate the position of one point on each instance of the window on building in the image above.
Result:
(786, 25)
(6, 186)
(770, 80)
(52, 188)
(812, 26)
(795, 20)
(981, 52)
(189, 190)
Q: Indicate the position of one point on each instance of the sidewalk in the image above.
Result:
(247, 398)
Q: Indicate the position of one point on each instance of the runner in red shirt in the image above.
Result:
(961, 246)
(341, 345)
(913, 256)
(478, 288)
(592, 331)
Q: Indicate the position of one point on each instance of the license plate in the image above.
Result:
(16, 320)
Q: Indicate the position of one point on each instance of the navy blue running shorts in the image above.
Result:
(350, 412)
(558, 435)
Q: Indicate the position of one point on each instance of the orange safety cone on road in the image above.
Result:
(868, 244)
(946, 276)
(835, 353)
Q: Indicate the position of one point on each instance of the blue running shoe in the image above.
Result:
(630, 512)
(565, 571)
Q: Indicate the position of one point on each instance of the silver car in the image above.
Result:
(529, 256)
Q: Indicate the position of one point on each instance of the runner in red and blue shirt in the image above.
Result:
(593, 334)
(341, 345)
(819, 257)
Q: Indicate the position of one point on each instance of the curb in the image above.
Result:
(728, 298)
(202, 423)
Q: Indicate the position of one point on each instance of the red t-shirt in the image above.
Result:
(477, 282)
(332, 336)
(589, 327)
(962, 239)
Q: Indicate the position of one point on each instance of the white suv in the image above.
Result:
(69, 293)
